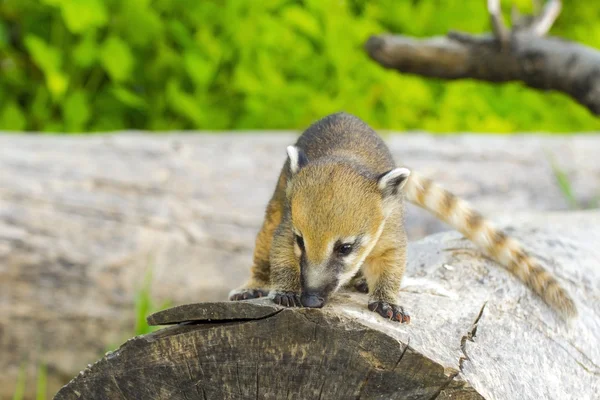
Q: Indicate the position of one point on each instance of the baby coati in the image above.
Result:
(338, 211)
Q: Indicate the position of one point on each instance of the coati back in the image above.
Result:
(338, 210)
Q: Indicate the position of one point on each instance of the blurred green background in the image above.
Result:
(102, 65)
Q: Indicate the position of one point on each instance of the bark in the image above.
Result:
(476, 332)
(264, 352)
(546, 63)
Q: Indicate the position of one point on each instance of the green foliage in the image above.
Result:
(41, 391)
(98, 65)
(564, 184)
(144, 306)
(19, 393)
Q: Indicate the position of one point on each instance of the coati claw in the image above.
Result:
(287, 299)
(390, 311)
(247, 294)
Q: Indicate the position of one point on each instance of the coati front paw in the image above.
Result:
(389, 311)
(247, 294)
(287, 299)
(361, 285)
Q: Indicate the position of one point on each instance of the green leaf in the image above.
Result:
(19, 393)
(41, 391)
(198, 68)
(40, 109)
(117, 59)
(49, 60)
(183, 104)
(12, 118)
(3, 36)
(564, 184)
(57, 83)
(85, 52)
(180, 33)
(302, 20)
(128, 98)
(83, 15)
(76, 111)
(140, 24)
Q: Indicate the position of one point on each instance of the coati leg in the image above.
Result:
(285, 268)
(358, 283)
(384, 272)
(259, 283)
(384, 268)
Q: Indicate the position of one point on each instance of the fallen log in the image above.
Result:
(82, 219)
(476, 332)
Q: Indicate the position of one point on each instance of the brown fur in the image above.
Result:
(340, 183)
(260, 272)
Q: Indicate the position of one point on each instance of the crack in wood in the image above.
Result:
(321, 390)
(114, 380)
(364, 384)
(444, 386)
(402, 354)
(471, 333)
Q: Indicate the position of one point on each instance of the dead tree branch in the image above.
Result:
(540, 62)
(542, 24)
(500, 31)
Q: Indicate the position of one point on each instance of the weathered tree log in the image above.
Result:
(523, 54)
(83, 218)
(476, 332)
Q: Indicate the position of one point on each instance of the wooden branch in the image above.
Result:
(476, 332)
(541, 63)
(522, 55)
(541, 25)
(498, 27)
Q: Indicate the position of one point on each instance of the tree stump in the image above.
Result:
(257, 350)
(476, 332)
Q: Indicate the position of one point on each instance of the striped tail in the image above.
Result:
(502, 248)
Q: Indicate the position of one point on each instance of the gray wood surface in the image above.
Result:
(83, 218)
(475, 332)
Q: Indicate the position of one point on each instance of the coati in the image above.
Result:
(338, 212)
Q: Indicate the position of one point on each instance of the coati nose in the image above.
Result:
(311, 300)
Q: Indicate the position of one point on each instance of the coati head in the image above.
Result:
(337, 215)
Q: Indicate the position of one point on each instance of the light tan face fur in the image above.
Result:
(331, 204)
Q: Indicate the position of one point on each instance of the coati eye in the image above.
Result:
(300, 242)
(344, 249)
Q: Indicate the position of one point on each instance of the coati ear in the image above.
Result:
(390, 183)
(297, 159)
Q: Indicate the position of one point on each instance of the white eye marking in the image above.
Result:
(297, 250)
(348, 240)
(349, 259)
(328, 249)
